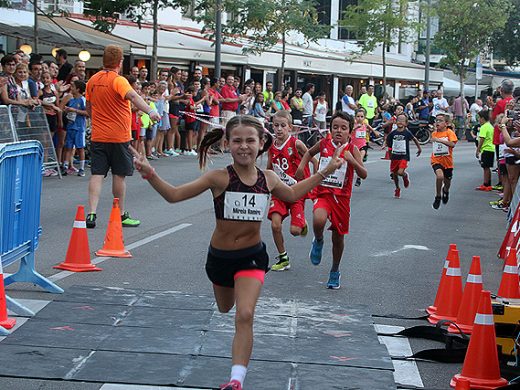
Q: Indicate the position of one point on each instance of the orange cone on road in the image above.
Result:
(509, 289)
(432, 309)
(5, 321)
(470, 299)
(78, 252)
(451, 294)
(114, 245)
(481, 366)
(463, 384)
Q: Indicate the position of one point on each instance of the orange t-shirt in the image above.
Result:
(443, 154)
(111, 112)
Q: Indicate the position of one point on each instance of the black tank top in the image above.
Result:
(236, 185)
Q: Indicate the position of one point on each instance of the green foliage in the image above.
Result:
(465, 29)
(379, 22)
(106, 13)
(506, 42)
(264, 22)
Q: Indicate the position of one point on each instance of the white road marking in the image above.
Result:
(388, 253)
(115, 386)
(144, 241)
(405, 372)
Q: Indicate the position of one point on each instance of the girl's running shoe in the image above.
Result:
(233, 385)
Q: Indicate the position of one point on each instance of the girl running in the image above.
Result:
(237, 258)
(333, 195)
(359, 137)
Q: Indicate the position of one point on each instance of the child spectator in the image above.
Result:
(76, 126)
(485, 152)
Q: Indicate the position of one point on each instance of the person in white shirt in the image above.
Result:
(440, 104)
(308, 108)
(474, 110)
(348, 103)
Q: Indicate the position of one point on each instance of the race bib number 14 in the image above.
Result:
(245, 206)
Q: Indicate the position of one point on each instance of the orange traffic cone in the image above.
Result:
(480, 366)
(463, 384)
(509, 289)
(451, 294)
(470, 298)
(511, 237)
(5, 321)
(114, 245)
(432, 309)
(78, 252)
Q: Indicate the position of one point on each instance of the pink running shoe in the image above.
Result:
(233, 385)
(397, 193)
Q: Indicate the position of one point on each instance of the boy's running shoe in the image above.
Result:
(233, 385)
(397, 193)
(282, 264)
(484, 188)
(305, 230)
(334, 278)
(406, 180)
(498, 187)
(81, 172)
(91, 220)
(445, 197)
(498, 206)
(315, 253)
(494, 202)
(129, 222)
(436, 203)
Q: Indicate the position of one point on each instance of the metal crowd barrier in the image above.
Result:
(7, 131)
(20, 194)
(31, 124)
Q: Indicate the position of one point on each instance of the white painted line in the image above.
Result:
(137, 244)
(34, 305)
(405, 372)
(19, 322)
(388, 253)
(115, 386)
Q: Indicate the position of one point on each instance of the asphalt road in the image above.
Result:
(377, 270)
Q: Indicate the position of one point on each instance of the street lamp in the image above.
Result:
(54, 51)
(27, 49)
(84, 55)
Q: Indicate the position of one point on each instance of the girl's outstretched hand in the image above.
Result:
(141, 163)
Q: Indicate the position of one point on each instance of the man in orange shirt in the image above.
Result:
(108, 103)
(443, 140)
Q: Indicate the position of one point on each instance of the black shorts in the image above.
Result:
(107, 156)
(503, 169)
(448, 172)
(190, 126)
(52, 120)
(511, 160)
(486, 159)
(221, 266)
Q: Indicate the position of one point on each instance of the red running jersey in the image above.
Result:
(340, 182)
(286, 159)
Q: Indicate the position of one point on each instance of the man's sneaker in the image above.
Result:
(233, 385)
(406, 180)
(484, 188)
(193, 153)
(91, 220)
(129, 222)
(81, 173)
(397, 193)
(305, 230)
(494, 202)
(282, 264)
(498, 206)
(358, 182)
(437, 202)
(445, 197)
(334, 278)
(498, 187)
(315, 253)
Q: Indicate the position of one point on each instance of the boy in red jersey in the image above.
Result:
(284, 157)
(333, 195)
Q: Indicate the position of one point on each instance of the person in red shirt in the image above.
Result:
(284, 157)
(333, 194)
(230, 100)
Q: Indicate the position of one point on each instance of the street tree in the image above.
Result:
(382, 23)
(465, 30)
(260, 24)
(107, 14)
(506, 42)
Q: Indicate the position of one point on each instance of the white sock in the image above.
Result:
(82, 164)
(238, 373)
(65, 165)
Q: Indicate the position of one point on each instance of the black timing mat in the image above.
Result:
(99, 334)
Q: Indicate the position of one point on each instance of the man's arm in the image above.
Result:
(142, 105)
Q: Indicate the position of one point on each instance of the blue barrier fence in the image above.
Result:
(20, 192)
